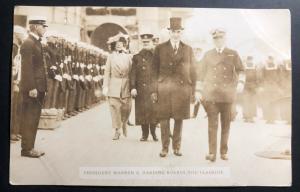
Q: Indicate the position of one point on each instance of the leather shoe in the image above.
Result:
(143, 139)
(129, 123)
(32, 153)
(224, 157)
(163, 153)
(177, 153)
(154, 138)
(211, 157)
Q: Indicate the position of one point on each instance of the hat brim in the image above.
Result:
(169, 28)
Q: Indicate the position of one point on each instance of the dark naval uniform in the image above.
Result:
(249, 94)
(140, 79)
(33, 76)
(271, 91)
(219, 76)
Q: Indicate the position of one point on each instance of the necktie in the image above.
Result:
(175, 49)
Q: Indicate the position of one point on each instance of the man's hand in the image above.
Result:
(33, 93)
(105, 91)
(133, 92)
(154, 97)
(16, 88)
(240, 87)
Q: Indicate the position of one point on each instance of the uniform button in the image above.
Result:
(215, 85)
(224, 68)
(144, 68)
(181, 82)
(144, 60)
(215, 68)
(224, 85)
(144, 84)
(225, 76)
(215, 76)
(171, 64)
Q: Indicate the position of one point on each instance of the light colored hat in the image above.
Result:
(117, 37)
(218, 32)
(37, 20)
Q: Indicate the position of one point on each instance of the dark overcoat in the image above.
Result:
(140, 79)
(174, 77)
(33, 70)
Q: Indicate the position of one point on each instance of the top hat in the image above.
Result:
(175, 24)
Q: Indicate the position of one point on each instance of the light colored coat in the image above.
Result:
(116, 76)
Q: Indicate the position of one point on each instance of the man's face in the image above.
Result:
(40, 29)
(219, 41)
(175, 35)
(147, 44)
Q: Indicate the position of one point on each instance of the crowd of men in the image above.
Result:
(164, 80)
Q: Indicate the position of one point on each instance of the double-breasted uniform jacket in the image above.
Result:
(140, 79)
(116, 76)
(174, 78)
(33, 71)
(219, 75)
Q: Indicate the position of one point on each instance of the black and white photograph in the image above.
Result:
(150, 96)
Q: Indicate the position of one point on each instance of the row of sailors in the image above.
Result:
(74, 72)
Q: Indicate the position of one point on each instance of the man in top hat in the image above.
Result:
(140, 79)
(217, 88)
(173, 85)
(33, 85)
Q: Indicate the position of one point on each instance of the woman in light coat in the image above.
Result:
(116, 85)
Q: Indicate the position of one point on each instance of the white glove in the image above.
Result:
(53, 67)
(240, 87)
(58, 77)
(105, 91)
(81, 78)
(65, 76)
(33, 93)
(133, 92)
(75, 77)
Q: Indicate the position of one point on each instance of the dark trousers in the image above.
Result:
(213, 111)
(145, 129)
(48, 97)
(54, 95)
(30, 119)
(165, 134)
(79, 91)
(196, 109)
(72, 99)
(16, 112)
